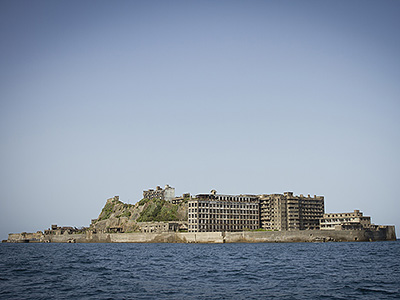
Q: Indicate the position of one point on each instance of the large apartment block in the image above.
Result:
(212, 212)
(289, 212)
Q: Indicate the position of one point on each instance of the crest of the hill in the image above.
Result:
(123, 217)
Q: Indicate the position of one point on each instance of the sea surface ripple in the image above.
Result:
(201, 271)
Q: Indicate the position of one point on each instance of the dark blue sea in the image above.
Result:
(201, 271)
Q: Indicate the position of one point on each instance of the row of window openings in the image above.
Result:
(230, 216)
(225, 222)
(338, 220)
(229, 198)
(226, 211)
(220, 227)
(222, 205)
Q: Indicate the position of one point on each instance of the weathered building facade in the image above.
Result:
(180, 199)
(167, 193)
(157, 227)
(289, 212)
(345, 221)
(215, 213)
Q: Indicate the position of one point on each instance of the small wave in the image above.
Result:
(366, 290)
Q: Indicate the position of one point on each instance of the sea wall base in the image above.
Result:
(385, 233)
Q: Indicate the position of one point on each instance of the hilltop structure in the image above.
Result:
(167, 193)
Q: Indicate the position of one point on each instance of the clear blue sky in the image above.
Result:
(104, 98)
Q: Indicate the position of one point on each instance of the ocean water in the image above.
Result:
(201, 271)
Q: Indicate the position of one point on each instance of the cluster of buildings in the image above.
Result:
(213, 212)
(58, 230)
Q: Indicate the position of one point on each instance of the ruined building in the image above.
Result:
(289, 212)
(212, 212)
(345, 221)
(180, 199)
(168, 193)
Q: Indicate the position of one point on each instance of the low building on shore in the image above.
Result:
(346, 221)
(158, 227)
(57, 230)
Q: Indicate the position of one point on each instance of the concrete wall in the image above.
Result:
(384, 233)
(24, 237)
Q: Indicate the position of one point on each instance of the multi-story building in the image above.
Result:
(343, 221)
(212, 212)
(273, 212)
(168, 193)
(289, 212)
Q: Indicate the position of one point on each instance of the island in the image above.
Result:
(161, 217)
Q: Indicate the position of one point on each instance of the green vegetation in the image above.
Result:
(127, 206)
(143, 201)
(126, 213)
(106, 211)
(151, 210)
(158, 210)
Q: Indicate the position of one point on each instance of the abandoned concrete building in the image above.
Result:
(345, 221)
(168, 193)
(157, 227)
(212, 212)
(57, 230)
(180, 199)
(289, 212)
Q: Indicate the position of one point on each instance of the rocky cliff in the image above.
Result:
(117, 216)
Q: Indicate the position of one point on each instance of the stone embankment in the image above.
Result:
(385, 233)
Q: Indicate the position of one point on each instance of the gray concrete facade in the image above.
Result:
(215, 213)
(167, 193)
(289, 212)
(343, 221)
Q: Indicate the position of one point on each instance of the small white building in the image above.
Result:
(169, 193)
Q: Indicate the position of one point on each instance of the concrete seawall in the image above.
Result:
(385, 233)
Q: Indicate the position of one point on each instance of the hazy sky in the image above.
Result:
(104, 98)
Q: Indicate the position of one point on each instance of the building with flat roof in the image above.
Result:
(213, 213)
(345, 221)
(289, 212)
